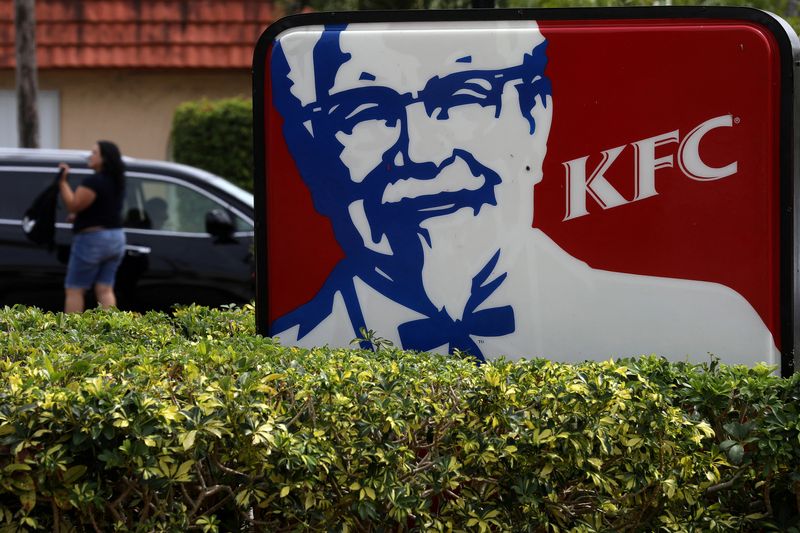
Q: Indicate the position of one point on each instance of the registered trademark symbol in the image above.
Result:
(736, 120)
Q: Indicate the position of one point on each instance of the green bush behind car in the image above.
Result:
(217, 136)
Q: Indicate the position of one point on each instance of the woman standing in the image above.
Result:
(98, 246)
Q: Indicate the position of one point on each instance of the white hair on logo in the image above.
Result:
(514, 38)
(298, 47)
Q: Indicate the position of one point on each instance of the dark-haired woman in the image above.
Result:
(98, 246)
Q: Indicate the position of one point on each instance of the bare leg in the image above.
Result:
(73, 301)
(105, 295)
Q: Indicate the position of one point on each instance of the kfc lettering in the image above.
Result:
(646, 163)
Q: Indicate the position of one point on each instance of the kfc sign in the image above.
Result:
(567, 184)
(646, 164)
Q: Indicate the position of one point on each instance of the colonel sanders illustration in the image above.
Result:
(423, 147)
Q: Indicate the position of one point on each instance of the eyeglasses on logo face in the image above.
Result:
(344, 110)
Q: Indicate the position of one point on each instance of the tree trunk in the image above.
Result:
(27, 82)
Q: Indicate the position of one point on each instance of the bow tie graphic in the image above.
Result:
(425, 334)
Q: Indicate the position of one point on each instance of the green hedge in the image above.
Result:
(216, 136)
(189, 421)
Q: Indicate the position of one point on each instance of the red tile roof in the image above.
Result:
(141, 33)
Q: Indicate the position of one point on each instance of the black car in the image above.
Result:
(189, 235)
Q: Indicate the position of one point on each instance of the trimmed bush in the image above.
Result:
(216, 136)
(189, 421)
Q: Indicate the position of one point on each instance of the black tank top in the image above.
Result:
(106, 210)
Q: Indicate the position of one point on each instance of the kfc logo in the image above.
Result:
(423, 148)
(646, 162)
(424, 181)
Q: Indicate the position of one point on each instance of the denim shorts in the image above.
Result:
(94, 258)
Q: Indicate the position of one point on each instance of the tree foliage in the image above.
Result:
(787, 9)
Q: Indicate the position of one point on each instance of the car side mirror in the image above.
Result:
(219, 224)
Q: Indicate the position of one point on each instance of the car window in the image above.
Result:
(169, 206)
(19, 191)
(21, 187)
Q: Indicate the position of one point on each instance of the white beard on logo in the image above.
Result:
(462, 244)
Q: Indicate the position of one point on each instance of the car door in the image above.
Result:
(170, 256)
(30, 273)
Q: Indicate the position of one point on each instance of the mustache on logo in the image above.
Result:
(399, 197)
(460, 172)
